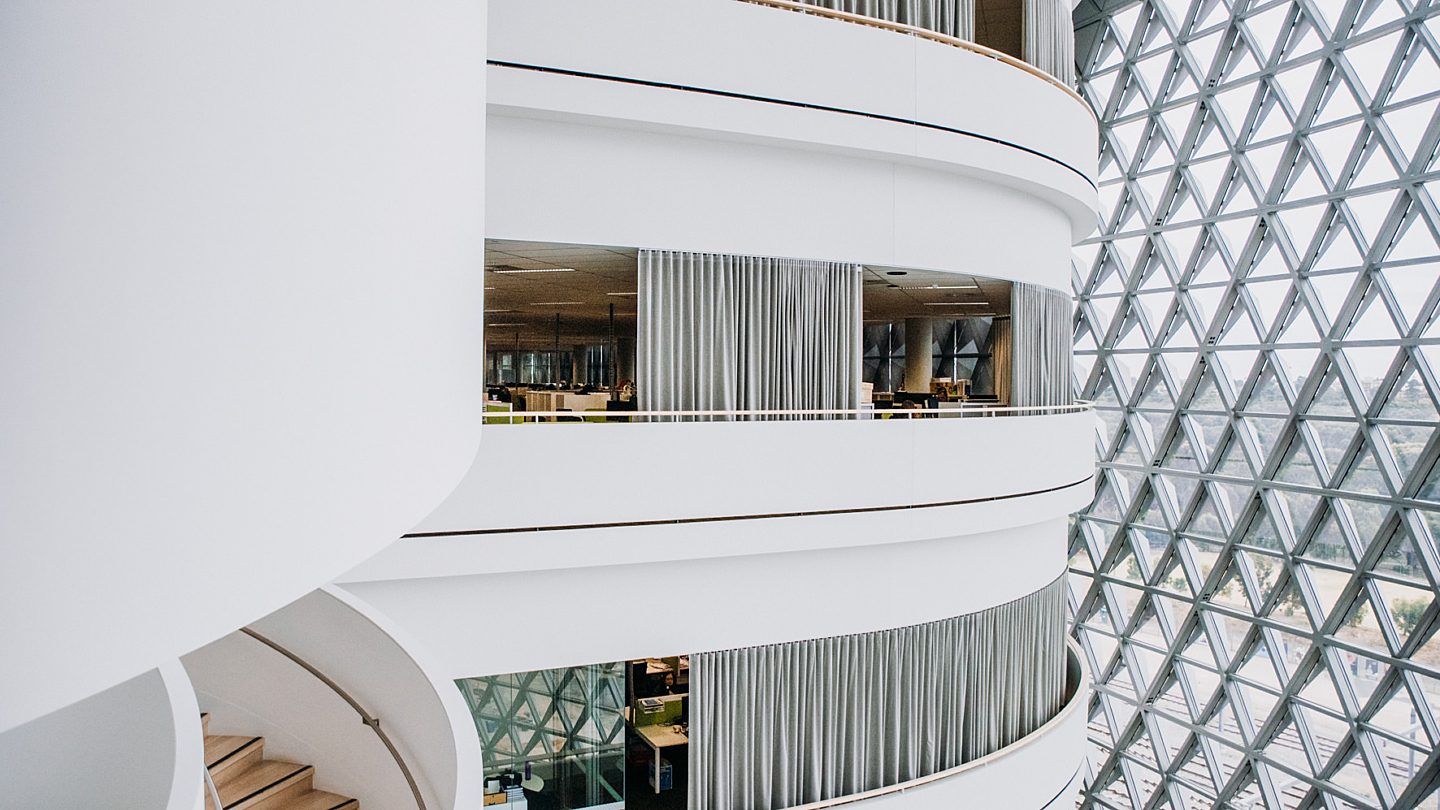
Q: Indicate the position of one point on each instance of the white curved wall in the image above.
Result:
(136, 744)
(670, 471)
(238, 317)
(590, 160)
(522, 620)
(249, 688)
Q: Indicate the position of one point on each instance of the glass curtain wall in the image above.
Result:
(961, 351)
(1255, 581)
(565, 726)
(527, 368)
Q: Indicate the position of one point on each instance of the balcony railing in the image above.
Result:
(925, 33)
(961, 410)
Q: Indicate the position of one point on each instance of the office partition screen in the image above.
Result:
(1255, 582)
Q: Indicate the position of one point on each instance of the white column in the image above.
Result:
(919, 335)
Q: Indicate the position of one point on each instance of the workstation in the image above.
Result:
(561, 332)
(609, 736)
(559, 329)
(659, 717)
(933, 341)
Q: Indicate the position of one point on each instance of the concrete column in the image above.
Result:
(626, 360)
(577, 364)
(919, 334)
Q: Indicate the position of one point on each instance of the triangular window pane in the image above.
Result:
(1298, 467)
(1410, 285)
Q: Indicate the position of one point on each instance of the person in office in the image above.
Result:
(504, 395)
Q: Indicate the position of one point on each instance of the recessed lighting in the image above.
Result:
(634, 293)
(538, 270)
(556, 303)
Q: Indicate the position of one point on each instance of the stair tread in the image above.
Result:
(250, 784)
(220, 747)
(321, 800)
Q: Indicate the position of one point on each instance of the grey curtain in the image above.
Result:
(954, 18)
(723, 332)
(1049, 38)
(1040, 322)
(788, 724)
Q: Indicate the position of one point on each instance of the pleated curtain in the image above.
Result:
(726, 332)
(1040, 323)
(1002, 359)
(954, 18)
(788, 724)
(1049, 38)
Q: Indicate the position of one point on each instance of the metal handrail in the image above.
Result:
(1074, 699)
(974, 410)
(365, 717)
(210, 784)
(925, 33)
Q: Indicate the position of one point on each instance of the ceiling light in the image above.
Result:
(537, 270)
(956, 303)
(507, 324)
(489, 288)
(943, 287)
(634, 293)
(555, 303)
(498, 310)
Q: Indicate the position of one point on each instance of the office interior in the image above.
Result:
(561, 333)
(601, 736)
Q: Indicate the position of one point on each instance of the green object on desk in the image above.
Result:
(657, 711)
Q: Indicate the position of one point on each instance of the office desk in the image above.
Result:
(658, 737)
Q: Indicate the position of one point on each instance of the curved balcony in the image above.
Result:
(826, 527)
(822, 138)
(964, 471)
(1038, 771)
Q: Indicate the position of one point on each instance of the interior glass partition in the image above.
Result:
(558, 734)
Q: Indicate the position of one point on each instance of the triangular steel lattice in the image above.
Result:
(1255, 582)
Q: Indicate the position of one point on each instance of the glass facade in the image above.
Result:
(565, 726)
(1255, 581)
(960, 350)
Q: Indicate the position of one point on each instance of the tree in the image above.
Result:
(1407, 613)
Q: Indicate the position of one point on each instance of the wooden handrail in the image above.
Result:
(365, 717)
(925, 33)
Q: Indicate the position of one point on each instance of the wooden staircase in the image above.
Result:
(246, 780)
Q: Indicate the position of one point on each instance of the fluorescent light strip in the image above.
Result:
(956, 304)
(555, 303)
(940, 287)
(538, 270)
(634, 293)
(493, 311)
(507, 324)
